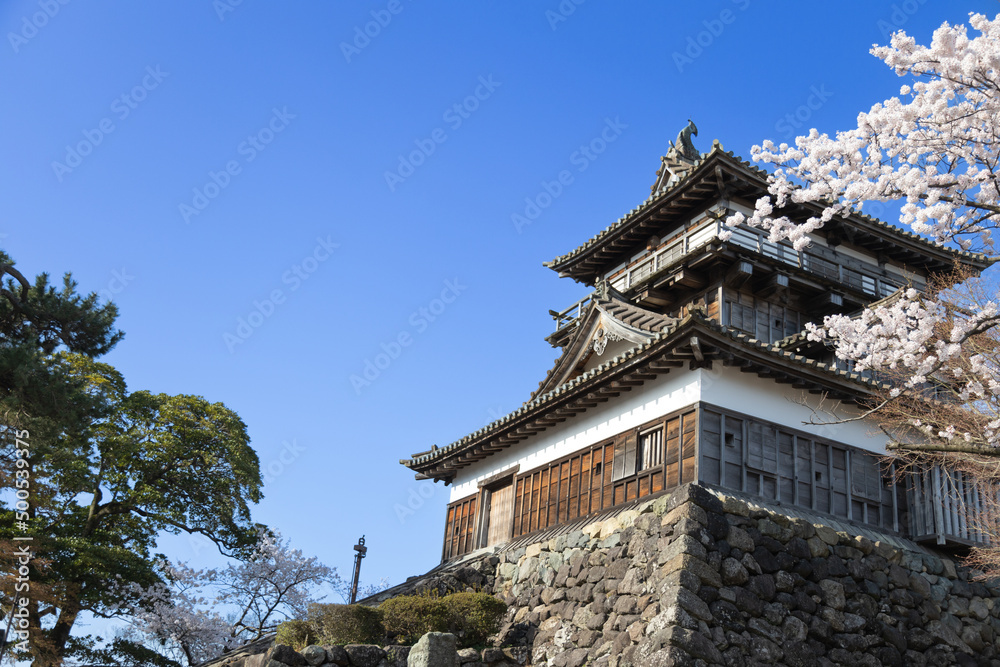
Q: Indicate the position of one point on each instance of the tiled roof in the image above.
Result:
(634, 316)
(656, 198)
(773, 350)
(623, 311)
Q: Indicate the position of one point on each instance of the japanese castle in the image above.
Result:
(688, 363)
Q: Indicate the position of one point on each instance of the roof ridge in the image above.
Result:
(717, 150)
(693, 317)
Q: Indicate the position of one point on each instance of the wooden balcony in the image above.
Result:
(849, 273)
(947, 507)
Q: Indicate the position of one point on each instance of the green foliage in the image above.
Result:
(109, 470)
(297, 634)
(346, 624)
(125, 653)
(471, 617)
(474, 616)
(408, 617)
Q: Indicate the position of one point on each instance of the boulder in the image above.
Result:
(435, 649)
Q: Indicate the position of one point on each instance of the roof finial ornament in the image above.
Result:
(684, 147)
(680, 158)
(601, 289)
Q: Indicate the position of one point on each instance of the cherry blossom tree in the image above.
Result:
(934, 149)
(197, 614)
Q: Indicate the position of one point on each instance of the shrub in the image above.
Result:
(471, 617)
(408, 617)
(346, 624)
(474, 616)
(297, 634)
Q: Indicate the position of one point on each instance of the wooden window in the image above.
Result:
(460, 526)
(733, 452)
(743, 318)
(625, 456)
(689, 446)
(650, 449)
(628, 467)
(777, 463)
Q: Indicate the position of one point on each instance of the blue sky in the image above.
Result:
(275, 198)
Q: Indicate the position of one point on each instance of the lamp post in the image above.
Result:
(361, 550)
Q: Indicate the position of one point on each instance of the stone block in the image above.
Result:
(695, 566)
(314, 655)
(337, 655)
(684, 544)
(688, 511)
(827, 534)
(286, 655)
(817, 547)
(693, 604)
(696, 644)
(740, 539)
(366, 655)
(467, 655)
(833, 594)
(396, 656)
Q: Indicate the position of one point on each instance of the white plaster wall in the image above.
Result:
(722, 386)
(866, 257)
(653, 399)
(919, 280)
(613, 349)
(780, 403)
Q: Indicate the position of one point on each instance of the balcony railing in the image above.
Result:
(858, 278)
(949, 506)
(849, 272)
(566, 317)
(854, 276)
(692, 239)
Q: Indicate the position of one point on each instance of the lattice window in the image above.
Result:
(650, 449)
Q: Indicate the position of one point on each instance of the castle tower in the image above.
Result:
(688, 363)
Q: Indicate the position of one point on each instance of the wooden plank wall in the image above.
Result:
(588, 481)
(500, 515)
(777, 463)
(460, 527)
(948, 506)
(761, 319)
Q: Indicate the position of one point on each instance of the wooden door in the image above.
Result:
(501, 515)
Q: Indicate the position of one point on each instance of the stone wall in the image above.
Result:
(699, 578)
(696, 578)
(434, 649)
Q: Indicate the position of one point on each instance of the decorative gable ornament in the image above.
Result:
(680, 158)
(611, 329)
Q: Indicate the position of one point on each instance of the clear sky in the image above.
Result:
(274, 198)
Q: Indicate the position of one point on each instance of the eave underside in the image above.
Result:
(720, 176)
(695, 343)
